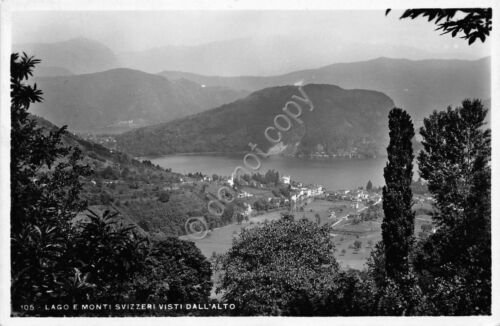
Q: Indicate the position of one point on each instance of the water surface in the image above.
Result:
(333, 174)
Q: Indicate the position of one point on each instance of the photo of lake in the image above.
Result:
(332, 174)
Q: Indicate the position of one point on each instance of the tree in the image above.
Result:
(105, 198)
(106, 253)
(175, 271)
(56, 255)
(389, 296)
(369, 185)
(282, 268)
(455, 162)
(398, 222)
(473, 23)
(45, 198)
(109, 173)
(164, 196)
(317, 218)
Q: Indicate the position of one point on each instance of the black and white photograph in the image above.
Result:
(224, 159)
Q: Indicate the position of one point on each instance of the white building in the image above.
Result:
(248, 209)
(244, 194)
(285, 179)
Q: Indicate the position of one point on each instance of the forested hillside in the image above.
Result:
(343, 122)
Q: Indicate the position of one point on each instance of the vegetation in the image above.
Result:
(399, 220)
(42, 203)
(231, 127)
(59, 255)
(282, 268)
(473, 23)
(64, 250)
(456, 163)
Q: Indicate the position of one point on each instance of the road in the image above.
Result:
(345, 217)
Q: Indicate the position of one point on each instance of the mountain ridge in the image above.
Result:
(419, 86)
(341, 121)
(122, 98)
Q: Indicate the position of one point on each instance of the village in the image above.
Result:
(159, 202)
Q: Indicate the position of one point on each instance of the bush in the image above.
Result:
(282, 268)
(163, 196)
(175, 271)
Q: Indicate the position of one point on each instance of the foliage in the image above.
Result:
(456, 163)
(261, 204)
(57, 255)
(372, 213)
(44, 195)
(232, 127)
(106, 253)
(163, 196)
(473, 23)
(174, 271)
(369, 185)
(419, 187)
(393, 297)
(398, 223)
(282, 268)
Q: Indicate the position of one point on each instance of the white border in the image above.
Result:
(9, 6)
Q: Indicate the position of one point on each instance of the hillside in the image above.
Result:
(343, 122)
(121, 99)
(141, 192)
(78, 55)
(418, 86)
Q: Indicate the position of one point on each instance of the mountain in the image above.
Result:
(418, 86)
(79, 55)
(120, 99)
(343, 122)
(44, 71)
(266, 55)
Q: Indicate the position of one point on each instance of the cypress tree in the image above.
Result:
(398, 223)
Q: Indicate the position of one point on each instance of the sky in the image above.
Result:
(125, 31)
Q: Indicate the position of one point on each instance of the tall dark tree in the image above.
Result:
(369, 185)
(398, 223)
(456, 163)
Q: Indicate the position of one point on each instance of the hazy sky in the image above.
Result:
(130, 31)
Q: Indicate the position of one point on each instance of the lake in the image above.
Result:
(332, 174)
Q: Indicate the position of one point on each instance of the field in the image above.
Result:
(344, 235)
(221, 239)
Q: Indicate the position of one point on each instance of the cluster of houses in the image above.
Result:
(356, 195)
(304, 192)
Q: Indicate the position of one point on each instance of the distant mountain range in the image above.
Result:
(122, 99)
(344, 122)
(418, 86)
(118, 100)
(78, 56)
(256, 56)
(264, 56)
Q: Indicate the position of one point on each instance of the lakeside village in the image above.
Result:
(159, 201)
